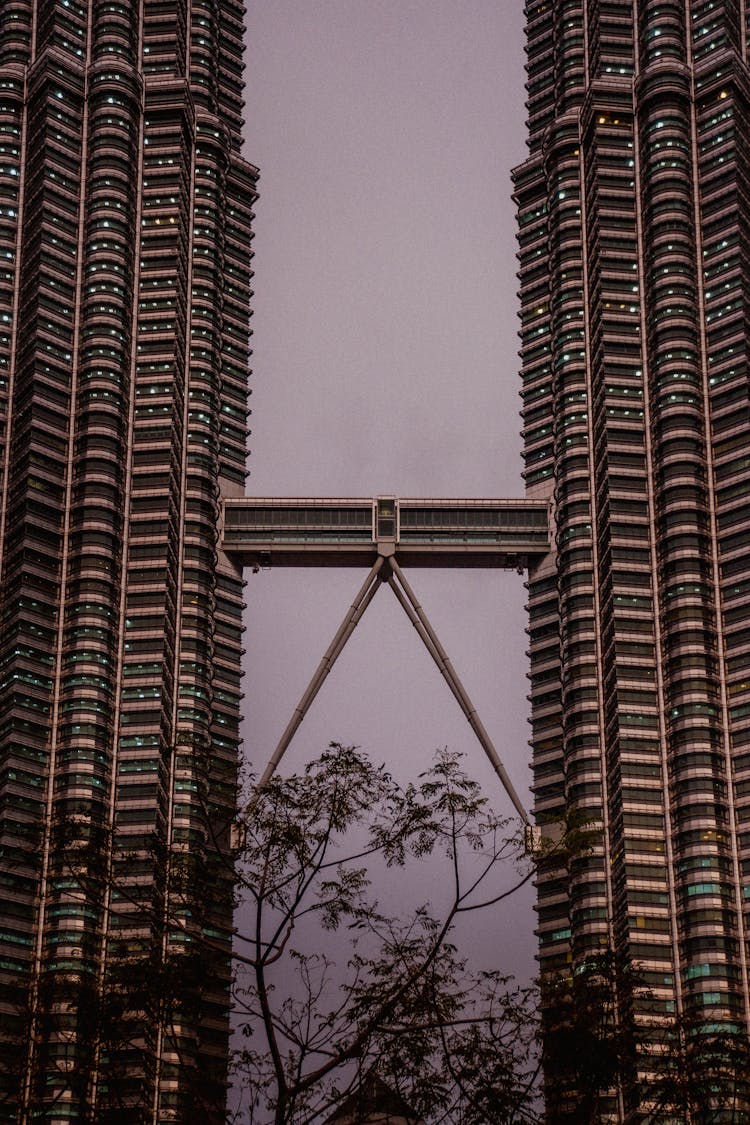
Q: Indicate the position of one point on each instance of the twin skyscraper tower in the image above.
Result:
(125, 209)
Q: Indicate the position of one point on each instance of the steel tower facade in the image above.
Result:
(634, 209)
(125, 209)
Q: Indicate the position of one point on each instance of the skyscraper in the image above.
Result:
(634, 212)
(125, 208)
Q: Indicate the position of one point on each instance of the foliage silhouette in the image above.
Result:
(333, 988)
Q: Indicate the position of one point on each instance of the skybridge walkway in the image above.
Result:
(339, 531)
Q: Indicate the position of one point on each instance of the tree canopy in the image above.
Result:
(333, 986)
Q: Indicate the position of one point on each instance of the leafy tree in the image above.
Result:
(334, 988)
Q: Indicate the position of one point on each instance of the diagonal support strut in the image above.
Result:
(348, 625)
(392, 573)
(414, 611)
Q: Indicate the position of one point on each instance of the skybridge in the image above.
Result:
(385, 533)
(353, 532)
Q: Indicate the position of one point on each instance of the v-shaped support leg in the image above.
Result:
(408, 601)
(348, 625)
(420, 621)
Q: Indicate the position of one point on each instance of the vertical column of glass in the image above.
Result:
(149, 610)
(581, 722)
(194, 891)
(633, 764)
(210, 655)
(199, 893)
(573, 511)
(720, 114)
(23, 765)
(538, 432)
(697, 777)
(233, 430)
(543, 631)
(537, 394)
(718, 964)
(146, 732)
(84, 736)
(548, 196)
(37, 500)
(91, 641)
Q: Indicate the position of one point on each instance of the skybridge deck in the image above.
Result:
(345, 531)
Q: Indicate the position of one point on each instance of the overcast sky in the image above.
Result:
(386, 361)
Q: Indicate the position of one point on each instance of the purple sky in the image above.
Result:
(386, 361)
